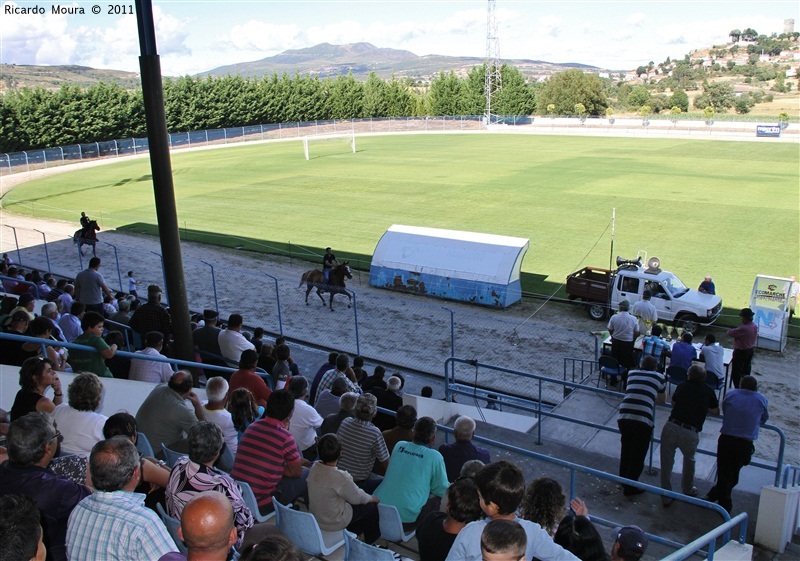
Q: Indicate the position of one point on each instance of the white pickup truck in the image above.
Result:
(603, 290)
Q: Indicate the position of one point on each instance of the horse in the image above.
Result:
(87, 236)
(316, 279)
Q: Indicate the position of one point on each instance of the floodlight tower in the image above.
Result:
(493, 81)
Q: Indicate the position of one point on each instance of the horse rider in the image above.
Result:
(85, 222)
(328, 263)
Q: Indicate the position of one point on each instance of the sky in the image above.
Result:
(197, 35)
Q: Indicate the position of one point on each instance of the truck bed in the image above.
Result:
(590, 283)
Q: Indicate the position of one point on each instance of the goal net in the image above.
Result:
(320, 145)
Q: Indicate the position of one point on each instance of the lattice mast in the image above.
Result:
(493, 80)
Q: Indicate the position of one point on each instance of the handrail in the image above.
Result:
(795, 476)
(709, 538)
(18, 281)
(537, 409)
(138, 356)
(575, 468)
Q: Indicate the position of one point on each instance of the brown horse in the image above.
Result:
(315, 279)
(87, 236)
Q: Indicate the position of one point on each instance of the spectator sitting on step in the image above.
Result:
(683, 353)
(282, 369)
(122, 315)
(70, 323)
(258, 338)
(164, 417)
(57, 290)
(246, 377)
(376, 380)
(196, 473)
(21, 530)
(68, 296)
(654, 345)
(214, 411)
(415, 472)
(544, 504)
(438, 530)
(149, 370)
(265, 359)
(358, 370)
(120, 366)
(50, 313)
(578, 535)
(388, 399)
(328, 401)
(206, 340)
(405, 418)
(87, 361)
(305, 419)
(78, 420)
(293, 368)
(502, 487)
(206, 528)
(630, 545)
(243, 409)
(456, 453)
(331, 363)
(332, 422)
(152, 316)
(363, 446)
(342, 366)
(268, 458)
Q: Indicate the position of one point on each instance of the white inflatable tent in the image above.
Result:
(471, 267)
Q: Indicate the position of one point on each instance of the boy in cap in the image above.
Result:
(630, 545)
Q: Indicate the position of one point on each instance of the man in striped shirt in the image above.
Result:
(268, 458)
(363, 446)
(113, 523)
(636, 413)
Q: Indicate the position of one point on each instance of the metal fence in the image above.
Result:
(30, 160)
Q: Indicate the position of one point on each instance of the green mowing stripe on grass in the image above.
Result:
(729, 209)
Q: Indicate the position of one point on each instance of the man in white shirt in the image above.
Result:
(70, 323)
(623, 328)
(231, 341)
(645, 311)
(305, 419)
(214, 409)
(150, 370)
(714, 356)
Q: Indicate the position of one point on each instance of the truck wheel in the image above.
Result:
(596, 310)
(689, 323)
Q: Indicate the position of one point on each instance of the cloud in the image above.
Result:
(261, 36)
(56, 40)
(550, 26)
(636, 20)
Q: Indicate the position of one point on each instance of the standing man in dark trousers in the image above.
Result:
(744, 410)
(328, 263)
(744, 343)
(691, 402)
(636, 419)
(623, 328)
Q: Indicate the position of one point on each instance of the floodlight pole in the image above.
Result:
(163, 189)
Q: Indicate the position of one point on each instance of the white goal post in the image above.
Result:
(342, 138)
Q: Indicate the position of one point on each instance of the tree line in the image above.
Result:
(39, 118)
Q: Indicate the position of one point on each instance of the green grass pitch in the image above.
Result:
(729, 209)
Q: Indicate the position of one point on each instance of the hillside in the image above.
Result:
(17, 76)
(360, 59)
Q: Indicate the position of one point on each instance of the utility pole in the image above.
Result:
(163, 188)
(493, 81)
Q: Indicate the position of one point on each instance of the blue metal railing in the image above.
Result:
(16, 280)
(709, 539)
(533, 406)
(790, 477)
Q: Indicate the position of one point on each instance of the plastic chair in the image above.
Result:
(172, 527)
(392, 526)
(171, 457)
(355, 550)
(143, 446)
(225, 460)
(609, 368)
(302, 530)
(675, 375)
(251, 502)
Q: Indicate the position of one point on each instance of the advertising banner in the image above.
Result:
(770, 303)
(768, 130)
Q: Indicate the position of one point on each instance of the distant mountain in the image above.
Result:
(16, 76)
(360, 59)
